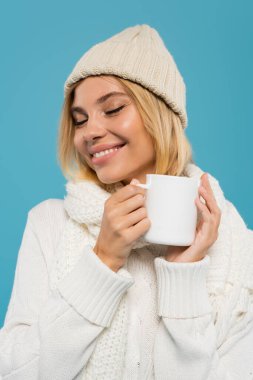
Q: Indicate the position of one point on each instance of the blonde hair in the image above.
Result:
(172, 149)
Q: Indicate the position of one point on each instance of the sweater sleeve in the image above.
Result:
(51, 334)
(186, 341)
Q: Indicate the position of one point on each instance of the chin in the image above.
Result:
(110, 179)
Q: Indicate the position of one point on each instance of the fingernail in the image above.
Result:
(134, 181)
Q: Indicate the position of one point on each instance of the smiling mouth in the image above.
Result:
(104, 154)
(100, 160)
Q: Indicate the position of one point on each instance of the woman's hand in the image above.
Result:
(124, 221)
(207, 227)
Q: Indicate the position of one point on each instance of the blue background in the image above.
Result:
(212, 43)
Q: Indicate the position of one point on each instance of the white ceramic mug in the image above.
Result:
(171, 208)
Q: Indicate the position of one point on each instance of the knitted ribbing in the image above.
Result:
(139, 54)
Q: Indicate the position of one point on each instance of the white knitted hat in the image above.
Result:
(139, 54)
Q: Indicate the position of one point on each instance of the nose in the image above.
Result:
(93, 129)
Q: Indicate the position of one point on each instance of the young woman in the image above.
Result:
(91, 298)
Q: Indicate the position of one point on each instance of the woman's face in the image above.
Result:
(93, 108)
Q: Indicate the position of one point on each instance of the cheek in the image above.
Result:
(76, 141)
(80, 147)
(129, 124)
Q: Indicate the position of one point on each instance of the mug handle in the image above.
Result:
(143, 185)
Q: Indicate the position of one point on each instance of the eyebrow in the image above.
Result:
(100, 100)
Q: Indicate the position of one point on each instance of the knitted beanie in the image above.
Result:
(138, 54)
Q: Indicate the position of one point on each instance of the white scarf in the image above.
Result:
(84, 204)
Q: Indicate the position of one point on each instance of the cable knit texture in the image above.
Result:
(77, 319)
(84, 204)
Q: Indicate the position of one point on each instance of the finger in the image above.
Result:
(127, 192)
(209, 198)
(206, 180)
(216, 209)
(134, 217)
(207, 185)
(131, 204)
(139, 229)
(205, 213)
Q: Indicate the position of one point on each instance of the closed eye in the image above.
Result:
(116, 110)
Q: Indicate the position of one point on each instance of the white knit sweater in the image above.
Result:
(186, 321)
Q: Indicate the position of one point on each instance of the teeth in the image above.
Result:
(104, 152)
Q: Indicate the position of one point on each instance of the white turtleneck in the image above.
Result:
(51, 336)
